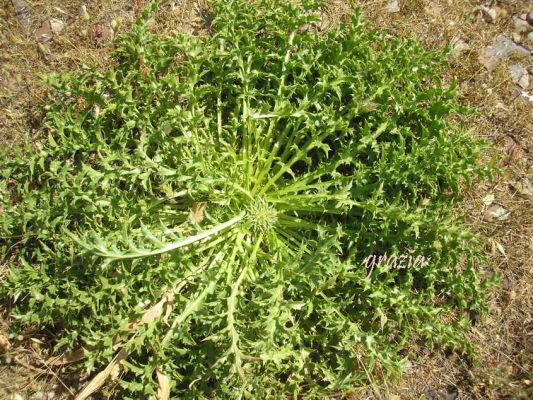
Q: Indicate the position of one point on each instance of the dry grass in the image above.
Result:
(504, 368)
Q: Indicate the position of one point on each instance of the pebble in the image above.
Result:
(496, 212)
(56, 25)
(488, 199)
(524, 96)
(489, 14)
(519, 75)
(22, 12)
(513, 150)
(523, 187)
(44, 33)
(521, 25)
(392, 6)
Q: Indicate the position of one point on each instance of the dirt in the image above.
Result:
(31, 45)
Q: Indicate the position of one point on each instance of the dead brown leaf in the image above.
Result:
(111, 370)
(198, 212)
(153, 313)
(163, 391)
(68, 359)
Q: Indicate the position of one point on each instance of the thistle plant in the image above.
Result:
(199, 213)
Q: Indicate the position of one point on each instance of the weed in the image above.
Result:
(203, 209)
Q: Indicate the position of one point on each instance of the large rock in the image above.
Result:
(502, 48)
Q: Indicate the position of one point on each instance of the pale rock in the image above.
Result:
(488, 199)
(392, 6)
(489, 14)
(524, 96)
(519, 75)
(22, 12)
(521, 25)
(44, 33)
(523, 187)
(503, 47)
(496, 212)
(56, 25)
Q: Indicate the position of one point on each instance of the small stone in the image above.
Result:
(408, 366)
(519, 75)
(523, 187)
(496, 212)
(525, 96)
(503, 47)
(44, 33)
(38, 396)
(392, 6)
(530, 37)
(22, 12)
(521, 25)
(17, 396)
(512, 149)
(56, 25)
(488, 199)
(489, 14)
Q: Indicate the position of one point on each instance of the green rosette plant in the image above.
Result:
(200, 213)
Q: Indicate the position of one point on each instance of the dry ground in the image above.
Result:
(504, 366)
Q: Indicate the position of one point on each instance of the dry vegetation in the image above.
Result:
(504, 368)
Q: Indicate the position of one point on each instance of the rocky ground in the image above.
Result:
(490, 42)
